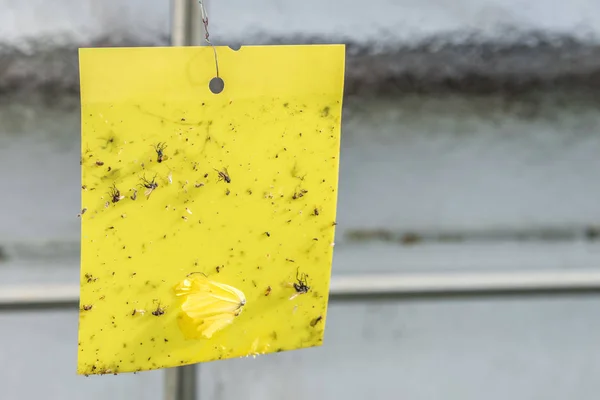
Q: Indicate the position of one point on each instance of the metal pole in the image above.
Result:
(466, 283)
(196, 27)
(186, 30)
(186, 23)
(180, 383)
(36, 297)
(30, 297)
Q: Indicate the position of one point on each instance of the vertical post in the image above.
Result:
(186, 30)
(186, 23)
(196, 26)
(180, 383)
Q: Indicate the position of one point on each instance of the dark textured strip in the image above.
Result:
(433, 66)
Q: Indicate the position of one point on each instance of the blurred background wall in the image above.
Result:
(471, 142)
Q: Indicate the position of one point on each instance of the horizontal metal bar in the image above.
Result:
(466, 283)
(39, 296)
(358, 286)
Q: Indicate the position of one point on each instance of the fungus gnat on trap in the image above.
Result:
(159, 311)
(315, 321)
(115, 194)
(159, 148)
(301, 284)
(223, 175)
(149, 185)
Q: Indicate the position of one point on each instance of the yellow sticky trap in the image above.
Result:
(207, 219)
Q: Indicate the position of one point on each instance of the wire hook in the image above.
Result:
(207, 35)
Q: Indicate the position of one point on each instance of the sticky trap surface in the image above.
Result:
(237, 189)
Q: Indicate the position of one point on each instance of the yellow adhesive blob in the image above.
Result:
(207, 219)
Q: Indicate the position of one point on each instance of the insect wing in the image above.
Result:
(210, 305)
(211, 325)
(202, 305)
(228, 292)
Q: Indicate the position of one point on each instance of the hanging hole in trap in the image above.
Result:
(216, 85)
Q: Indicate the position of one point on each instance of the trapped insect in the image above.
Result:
(301, 284)
(210, 306)
(115, 194)
(149, 185)
(223, 175)
(159, 148)
(159, 311)
(299, 194)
